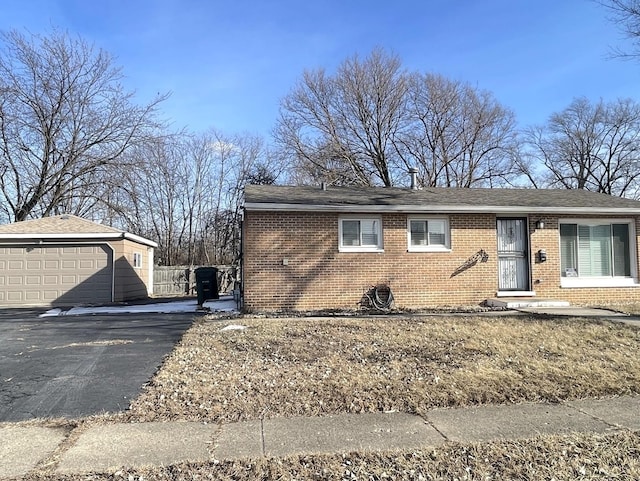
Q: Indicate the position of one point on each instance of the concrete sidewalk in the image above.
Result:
(107, 448)
(590, 312)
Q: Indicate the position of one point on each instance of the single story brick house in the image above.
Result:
(66, 260)
(307, 248)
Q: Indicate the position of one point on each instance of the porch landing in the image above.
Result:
(524, 302)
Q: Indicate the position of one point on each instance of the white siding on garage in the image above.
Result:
(55, 274)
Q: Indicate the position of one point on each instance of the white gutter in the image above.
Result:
(82, 236)
(442, 209)
(140, 240)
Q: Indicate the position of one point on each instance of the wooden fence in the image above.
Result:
(181, 280)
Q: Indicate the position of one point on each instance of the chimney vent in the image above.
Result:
(414, 177)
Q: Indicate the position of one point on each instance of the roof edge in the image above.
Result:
(81, 236)
(452, 209)
(140, 239)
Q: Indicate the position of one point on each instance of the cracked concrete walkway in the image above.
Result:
(107, 448)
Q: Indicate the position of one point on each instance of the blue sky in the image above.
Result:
(228, 63)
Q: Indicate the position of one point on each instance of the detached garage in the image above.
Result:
(66, 260)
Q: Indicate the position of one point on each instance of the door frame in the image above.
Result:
(524, 290)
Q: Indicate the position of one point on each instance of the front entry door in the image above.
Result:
(513, 255)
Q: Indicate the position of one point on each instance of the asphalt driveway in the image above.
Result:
(73, 366)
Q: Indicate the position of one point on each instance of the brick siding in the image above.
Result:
(546, 275)
(291, 262)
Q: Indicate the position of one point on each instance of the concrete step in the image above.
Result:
(524, 302)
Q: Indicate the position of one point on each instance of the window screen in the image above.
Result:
(364, 233)
(428, 232)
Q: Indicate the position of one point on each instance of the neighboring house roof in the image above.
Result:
(67, 227)
(435, 199)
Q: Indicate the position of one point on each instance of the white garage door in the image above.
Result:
(55, 274)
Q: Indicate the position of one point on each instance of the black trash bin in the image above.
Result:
(206, 284)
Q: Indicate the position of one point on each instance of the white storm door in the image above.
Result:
(513, 255)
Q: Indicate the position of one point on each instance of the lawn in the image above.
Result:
(292, 367)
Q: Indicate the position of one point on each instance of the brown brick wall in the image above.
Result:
(292, 262)
(546, 276)
(318, 276)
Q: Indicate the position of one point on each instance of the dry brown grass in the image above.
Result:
(583, 457)
(292, 367)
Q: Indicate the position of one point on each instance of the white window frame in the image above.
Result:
(360, 248)
(446, 247)
(602, 281)
(137, 260)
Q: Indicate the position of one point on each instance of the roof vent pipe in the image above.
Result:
(414, 177)
(323, 185)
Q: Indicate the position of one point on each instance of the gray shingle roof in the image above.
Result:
(58, 224)
(360, 199)
(65, 226)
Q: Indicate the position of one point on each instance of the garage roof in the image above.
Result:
(69, 227)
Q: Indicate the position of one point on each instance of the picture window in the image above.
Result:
(597, 253)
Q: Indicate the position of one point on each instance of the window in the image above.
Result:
(137, 259)
(428, 234)
(595, 253)
(361, 234)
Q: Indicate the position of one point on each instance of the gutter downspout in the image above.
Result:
(240, 299)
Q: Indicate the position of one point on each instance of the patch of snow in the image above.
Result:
(224, 304)
(234, 327)
(164, 307)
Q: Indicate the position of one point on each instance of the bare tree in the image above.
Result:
(341, 126)
(184, 190)
(626, 15)
(198, 165)
(456, 135)
(591, 146)
(372, 120)
(65, 119)
(156, 187)
(239, 160)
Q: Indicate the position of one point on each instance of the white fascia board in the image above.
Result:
(140, 240)
(84, 235)
(80, 236)
(443, 209)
